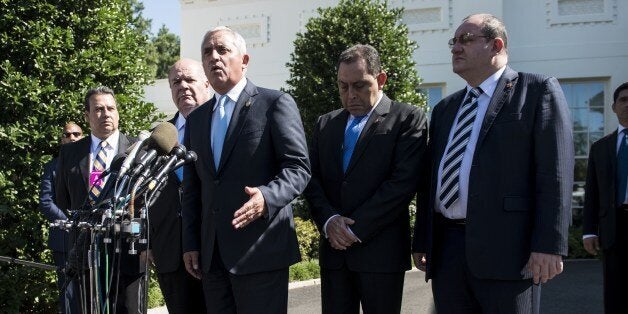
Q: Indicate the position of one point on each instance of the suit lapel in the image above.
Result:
(337, 130)
(379, 114)
(505, 85)
(206, 128)
(611, 146)
(245, 101)
(84, 151)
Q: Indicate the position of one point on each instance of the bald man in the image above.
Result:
(58, 239)
(182, 292)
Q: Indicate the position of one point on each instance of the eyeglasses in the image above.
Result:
(68, 134)
(464, 39)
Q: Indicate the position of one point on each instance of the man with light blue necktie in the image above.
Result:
(238, 229)
(365, 160)
(182, 292)
(606, 205)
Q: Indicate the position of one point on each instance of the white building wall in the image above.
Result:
(568, 39)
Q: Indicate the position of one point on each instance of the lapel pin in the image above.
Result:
(509, 85)
(248, 103)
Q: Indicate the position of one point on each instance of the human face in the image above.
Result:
(359, 90)
(472, 60)
(188, 86)
(102, 115)
(620, 108)
(71, 133)
(223, 63)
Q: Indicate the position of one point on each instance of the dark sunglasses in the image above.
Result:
(464, 39)
(68, 134)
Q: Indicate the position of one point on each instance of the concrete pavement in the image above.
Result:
(577, 290)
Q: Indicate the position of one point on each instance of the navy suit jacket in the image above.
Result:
(521, 177)
(600, 210)
(264, 147)
(57, 239)
(375, 191)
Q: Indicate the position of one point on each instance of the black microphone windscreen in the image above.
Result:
(164, 137)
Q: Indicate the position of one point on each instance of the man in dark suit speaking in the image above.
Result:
(606, 205)
(365, 161)
(238, 230)
(498, 205)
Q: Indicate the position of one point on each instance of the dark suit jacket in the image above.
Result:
(57, 239)
(165, 224)
(72, 185)
(264, 147)
(521, 176)
(599, 203)
(375, 191)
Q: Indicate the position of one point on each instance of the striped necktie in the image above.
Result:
(97, 169)
(449, 190)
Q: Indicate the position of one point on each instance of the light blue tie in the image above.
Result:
(179, 170)
(622, 167)
(220, 122)
(351, 138)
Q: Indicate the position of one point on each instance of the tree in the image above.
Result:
(51, 52)
(165, 50)
(312, 67)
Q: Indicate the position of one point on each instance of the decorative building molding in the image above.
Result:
(426, 15)
(575, 12)
(255, 29)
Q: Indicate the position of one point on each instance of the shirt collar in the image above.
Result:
(112, 140)
(234, 93)
(489, 85)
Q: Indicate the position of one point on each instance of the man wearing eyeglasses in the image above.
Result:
(58, 239)
(498, 204)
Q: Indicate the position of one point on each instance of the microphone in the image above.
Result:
(134, 149)
(189, 157)
(176, 153)
(163, 139)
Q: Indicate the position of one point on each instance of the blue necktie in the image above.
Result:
(622, 167)
(220, 122)
(179, 171)
(351, 138)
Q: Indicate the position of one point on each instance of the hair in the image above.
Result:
(491, 27)
(71, 123)
(100, 90)
(198, 67)
(364, 52)
(618, 90)
(238, 40)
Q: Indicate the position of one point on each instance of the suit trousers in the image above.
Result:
(68, 297)
(343, 290)
(457, 290)
(615, 271)
(264, 292)
(182, 292)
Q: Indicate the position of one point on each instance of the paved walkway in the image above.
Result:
(577, 290)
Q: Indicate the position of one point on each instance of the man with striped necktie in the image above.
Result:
(78, 179)
(494, 214)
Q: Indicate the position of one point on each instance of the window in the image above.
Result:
(586, 103)
(434, 94)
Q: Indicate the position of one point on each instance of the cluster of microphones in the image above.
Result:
(134, 178)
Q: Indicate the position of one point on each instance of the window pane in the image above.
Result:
(580, 119)
(596, 119)
(594, 137)
(581, 143)
(580, 171)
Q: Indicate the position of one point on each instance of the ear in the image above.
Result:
(498, 45)
(86, 116)
(381, 80)
(245, 61)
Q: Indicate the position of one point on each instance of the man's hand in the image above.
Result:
(420, 261)
(144, 255)
(191, 264)
(338, 233)
(544, 266)
(251, 210)
(592, 245)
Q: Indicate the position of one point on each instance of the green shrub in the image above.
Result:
(308, 237)
(305, 270)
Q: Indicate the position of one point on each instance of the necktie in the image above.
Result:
(622, 167)
(179, 170)
(97, 168)
(449, 191)
(220, 122)
(351, 138)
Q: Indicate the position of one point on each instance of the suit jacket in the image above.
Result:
(520, 181)
(72, 185)
(165, 224)
(264, 147)
(57, 239)
(599, 203)
(376, 189)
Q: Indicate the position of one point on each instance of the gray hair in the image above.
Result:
(238, 41)
(491, 27)
(366, 52)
